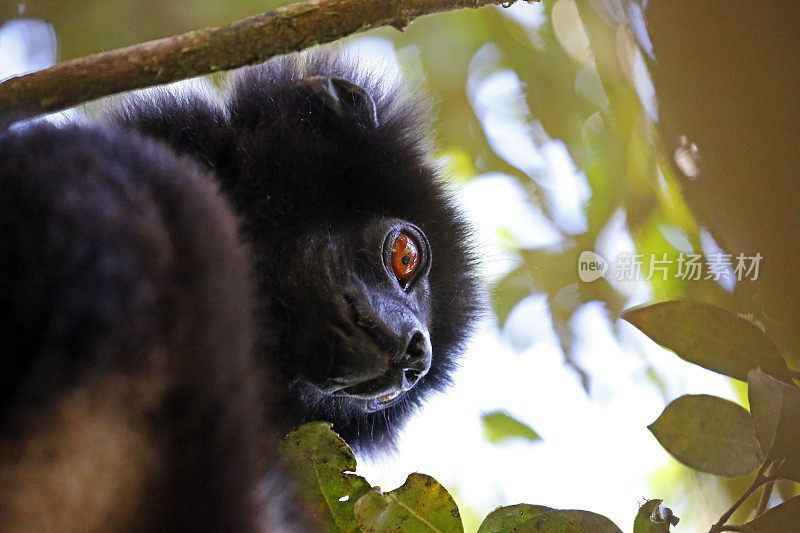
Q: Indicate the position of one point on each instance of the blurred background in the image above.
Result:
(640, 136)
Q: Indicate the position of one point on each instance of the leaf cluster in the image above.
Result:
(719, 437)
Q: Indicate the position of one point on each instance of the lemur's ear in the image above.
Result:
(340, 99)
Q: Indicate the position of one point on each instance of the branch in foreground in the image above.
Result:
(248, 41)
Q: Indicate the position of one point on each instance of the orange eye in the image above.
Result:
(405, 257)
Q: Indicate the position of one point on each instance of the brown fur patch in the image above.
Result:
(88, 463)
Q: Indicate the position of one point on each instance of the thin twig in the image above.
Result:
(248, 41)
(764, 501)
(759, 480)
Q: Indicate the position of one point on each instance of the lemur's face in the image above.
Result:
(365, 269)
(357, 301)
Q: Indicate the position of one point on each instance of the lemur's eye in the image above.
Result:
(405, 257)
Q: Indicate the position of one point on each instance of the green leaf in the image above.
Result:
(420, 505)
(499, 426)
(782, 518)
(505, 518)
(644, 523)
(709, 434)
(569, 521)
(710, 337)
(323, 462)
(775, 407)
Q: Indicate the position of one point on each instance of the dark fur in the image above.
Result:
(119, 258)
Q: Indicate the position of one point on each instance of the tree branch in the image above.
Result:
(248, 41)
(761, 479)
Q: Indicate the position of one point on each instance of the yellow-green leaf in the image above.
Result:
(322, 462)
(499, 426)
(420, 505)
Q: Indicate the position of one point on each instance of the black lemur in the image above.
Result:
(189, 278)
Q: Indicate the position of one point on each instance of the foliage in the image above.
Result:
(507, 518)
(780, 519)
(710, 337)
(525, 518)
(720, 437)
(323, 463)
(499, 426)
(654, 518)
(420, 504)
(709, 434)
(776, 415)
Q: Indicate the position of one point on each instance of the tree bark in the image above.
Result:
(248, 41)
